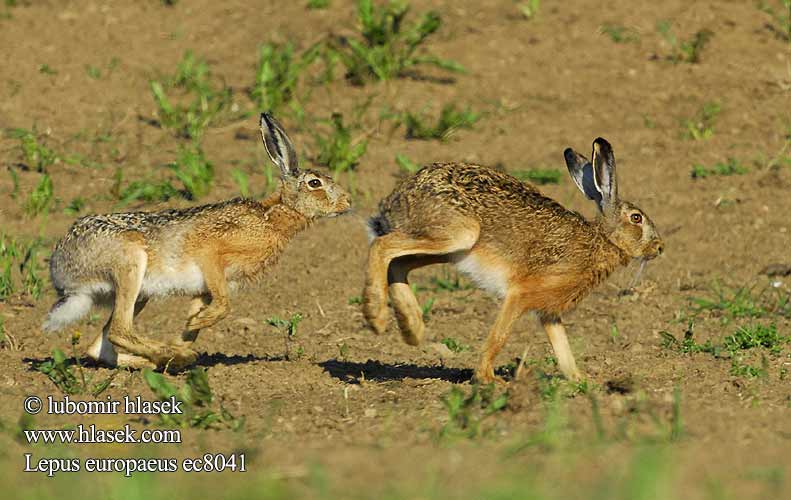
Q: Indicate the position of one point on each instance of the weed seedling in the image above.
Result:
(318, 4)
(454, 345)
(529, 9)
(388, 48)
(619, 33)
(337, 150)
(701, 126)
(449, 121)
(539, 176)
(466, 412)
(683, 51)
(780, 13)
(289, 327)
(193, 171)
(201, 103)
(60, 371)
(277, 75)
(405, 164)
(39, 200)
(35, 154)
(730, 167)
(196, 402)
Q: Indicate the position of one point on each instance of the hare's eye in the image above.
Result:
(636, 218)
(314, 183)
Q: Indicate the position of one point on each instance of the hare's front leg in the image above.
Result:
(510, 311)
(560, 344)
(206, 311)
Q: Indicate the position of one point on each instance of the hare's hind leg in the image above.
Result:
(102, 351)
(560, 344)
(453, 237)
(407, 310)
(128, 282)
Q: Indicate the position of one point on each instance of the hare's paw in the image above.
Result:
(207, 317)
(176, 358)
(484, 374)
(134, 362)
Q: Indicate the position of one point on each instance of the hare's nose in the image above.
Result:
(660, 248)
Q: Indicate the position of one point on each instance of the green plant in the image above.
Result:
(39, 200)
(449, 283)
(730, 167)
(277, 75)
(684, 51)
(388, 48)
(147, 191)
(426, 308)
(200, 104)
(449, 121)
(781, 17)
(405, 164)
(454, 345)
(242, 181)
(196, 397)
(539, 176)
(93, 72)
(742, 302)
(619, 33)
(289, 327)
(756, 336)
(60, 372)
(75, 206)
(193, 171)
(701, 126)
(34, 153)
(46, 70)
(467, 412)
(529, 9)
(318, 4)
(336, 149)
(190, 168)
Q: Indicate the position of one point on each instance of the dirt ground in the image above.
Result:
(353, 414)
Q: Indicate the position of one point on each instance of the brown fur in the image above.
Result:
(525, 247)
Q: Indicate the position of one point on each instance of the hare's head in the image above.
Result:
(310, 193)
(627, 226)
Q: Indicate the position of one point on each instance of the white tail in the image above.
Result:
(67, 310)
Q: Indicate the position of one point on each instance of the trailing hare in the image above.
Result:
(510, 239)
(207, 251)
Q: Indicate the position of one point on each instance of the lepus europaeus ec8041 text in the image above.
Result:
(510, 239)
(124, 259)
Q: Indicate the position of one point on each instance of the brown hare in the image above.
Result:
(510, 239)
(206, 252)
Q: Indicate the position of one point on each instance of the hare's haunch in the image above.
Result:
(510, 239)
(205, 252)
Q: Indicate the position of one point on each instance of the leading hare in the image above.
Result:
(510, 239)
(205, 252)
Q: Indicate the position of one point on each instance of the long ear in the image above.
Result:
(581, 172)
(279, 146)
(604, 173)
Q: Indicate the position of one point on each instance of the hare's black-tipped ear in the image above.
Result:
(581, 172)
(279, 146)
(603, 162)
